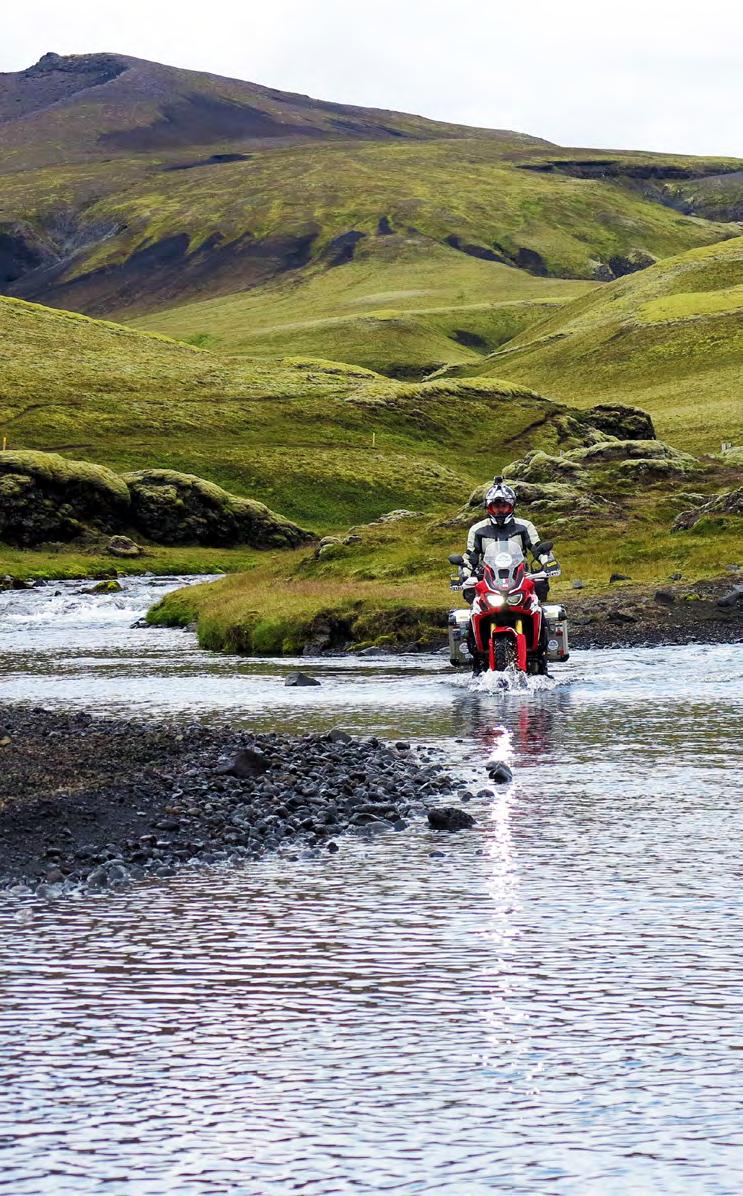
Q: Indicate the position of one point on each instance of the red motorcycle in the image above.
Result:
(507, 626)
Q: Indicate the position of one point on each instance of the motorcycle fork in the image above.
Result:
(520, 646)
(517, 631)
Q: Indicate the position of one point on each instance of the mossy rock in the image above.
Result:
(729, 503)
(549, 498)
(541, 467)
(526, 492)
(624, 450)
(44, 496)
(105, 587)
(625, 423)
(644, 469)
(556, 499)
(179, 508)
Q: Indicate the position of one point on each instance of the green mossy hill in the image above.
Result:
(366, 444)
(669, 339)
(145, 232)
(594, 484)
(46, 497)
(176, 508)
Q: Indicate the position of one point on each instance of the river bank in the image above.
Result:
(100, 802)
(626, 615)
(317, 618)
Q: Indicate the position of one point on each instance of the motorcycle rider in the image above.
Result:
(502, 532)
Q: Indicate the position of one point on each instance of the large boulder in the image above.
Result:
(548, 498)
(179, 508)
(625, 423)
(44, 496)
(654, 469)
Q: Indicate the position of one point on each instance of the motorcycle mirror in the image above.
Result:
(455, 559)
(543, 546)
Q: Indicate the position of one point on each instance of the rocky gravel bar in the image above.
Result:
(705, 612)
(96, 803)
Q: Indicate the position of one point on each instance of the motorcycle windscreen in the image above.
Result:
(503, 563)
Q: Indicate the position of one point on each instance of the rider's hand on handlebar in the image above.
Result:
(551, 568)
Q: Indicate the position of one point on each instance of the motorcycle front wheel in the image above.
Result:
(503, 653)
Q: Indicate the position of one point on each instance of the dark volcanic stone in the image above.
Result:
(500, 772)
(732, 598)
(449, 818)
(339, 736)
(142, 799)
(626, 423)
(247, 763)
(621, 616)
(619, 577)
(664, 597)
(300, 679)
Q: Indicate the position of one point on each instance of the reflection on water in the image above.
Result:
(549, 1006)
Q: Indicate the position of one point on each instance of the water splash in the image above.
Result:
(511, 679)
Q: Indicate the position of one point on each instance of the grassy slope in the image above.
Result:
(239, 254)
(461, 187)
(668, 339)
(402, 303)
(296, 435)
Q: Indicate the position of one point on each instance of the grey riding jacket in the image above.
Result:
(486, 539)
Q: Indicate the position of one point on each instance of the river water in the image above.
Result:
(550, 1003)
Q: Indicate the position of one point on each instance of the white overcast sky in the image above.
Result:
(632, 74)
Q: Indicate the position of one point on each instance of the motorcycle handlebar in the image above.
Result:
(471, 581)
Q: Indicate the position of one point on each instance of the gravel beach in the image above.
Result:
(100, 802)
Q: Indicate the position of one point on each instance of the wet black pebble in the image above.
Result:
(500, 773)
(247, 763)
(449, 818)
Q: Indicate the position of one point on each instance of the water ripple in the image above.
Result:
(550, 1005)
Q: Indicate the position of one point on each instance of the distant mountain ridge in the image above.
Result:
(111, 103)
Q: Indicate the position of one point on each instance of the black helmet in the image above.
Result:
(500, 501)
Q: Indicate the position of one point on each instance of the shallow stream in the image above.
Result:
(548, 1003)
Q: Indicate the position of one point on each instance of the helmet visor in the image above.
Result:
(500, 507)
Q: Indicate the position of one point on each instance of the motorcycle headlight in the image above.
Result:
(495, 601)
(516, 598)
